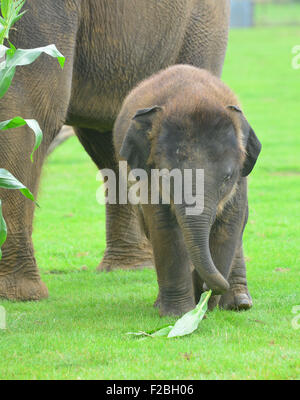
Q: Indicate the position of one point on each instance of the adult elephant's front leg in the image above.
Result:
(176, 295)
(19, 276)
(126, 245)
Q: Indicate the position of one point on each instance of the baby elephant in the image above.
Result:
(186, 122)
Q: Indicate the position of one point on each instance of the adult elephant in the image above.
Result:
(109, 46)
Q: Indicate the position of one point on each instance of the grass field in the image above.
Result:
(80, 331)
(277, 14)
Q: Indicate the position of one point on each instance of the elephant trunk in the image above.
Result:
(196, 230)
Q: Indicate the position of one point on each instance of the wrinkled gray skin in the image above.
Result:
(184, 118)
(109, 46)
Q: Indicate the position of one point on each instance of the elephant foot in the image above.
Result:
(213, 302)
(174, 307)
(21, 288)
(237, 298)
(175, 310)
(130, 258)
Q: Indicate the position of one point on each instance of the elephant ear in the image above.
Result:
(251, 143)
(136, 146)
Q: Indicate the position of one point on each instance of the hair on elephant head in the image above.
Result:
(183, 118)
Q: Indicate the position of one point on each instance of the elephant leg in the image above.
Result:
(198, 286)
(19, 276)
(126, 245)
(238, 296)
(40, 91)
(206, 37)
(172, 263)
(225, 240)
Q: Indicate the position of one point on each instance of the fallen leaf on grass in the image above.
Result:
(162, 332)
(185, 325)
(190, 321)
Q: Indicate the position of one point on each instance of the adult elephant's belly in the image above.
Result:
(124, 49)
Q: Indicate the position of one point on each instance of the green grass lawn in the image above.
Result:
(80, 331)
(277, 14)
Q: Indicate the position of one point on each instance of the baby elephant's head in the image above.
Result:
(196, 134)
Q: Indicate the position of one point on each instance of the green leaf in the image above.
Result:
(19, 5)
(16, 19)
(12, 47)
(10, 11)
(28, 56)
(3, 229)
(8, 181)
(21, 57)
(5, 7)
(18, 122)
(6, 77)
(15, 122)
(191, 320)
(3, 50)
(185, 325)
(33, 124)
(163, 331)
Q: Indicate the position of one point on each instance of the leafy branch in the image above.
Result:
(10, 11)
